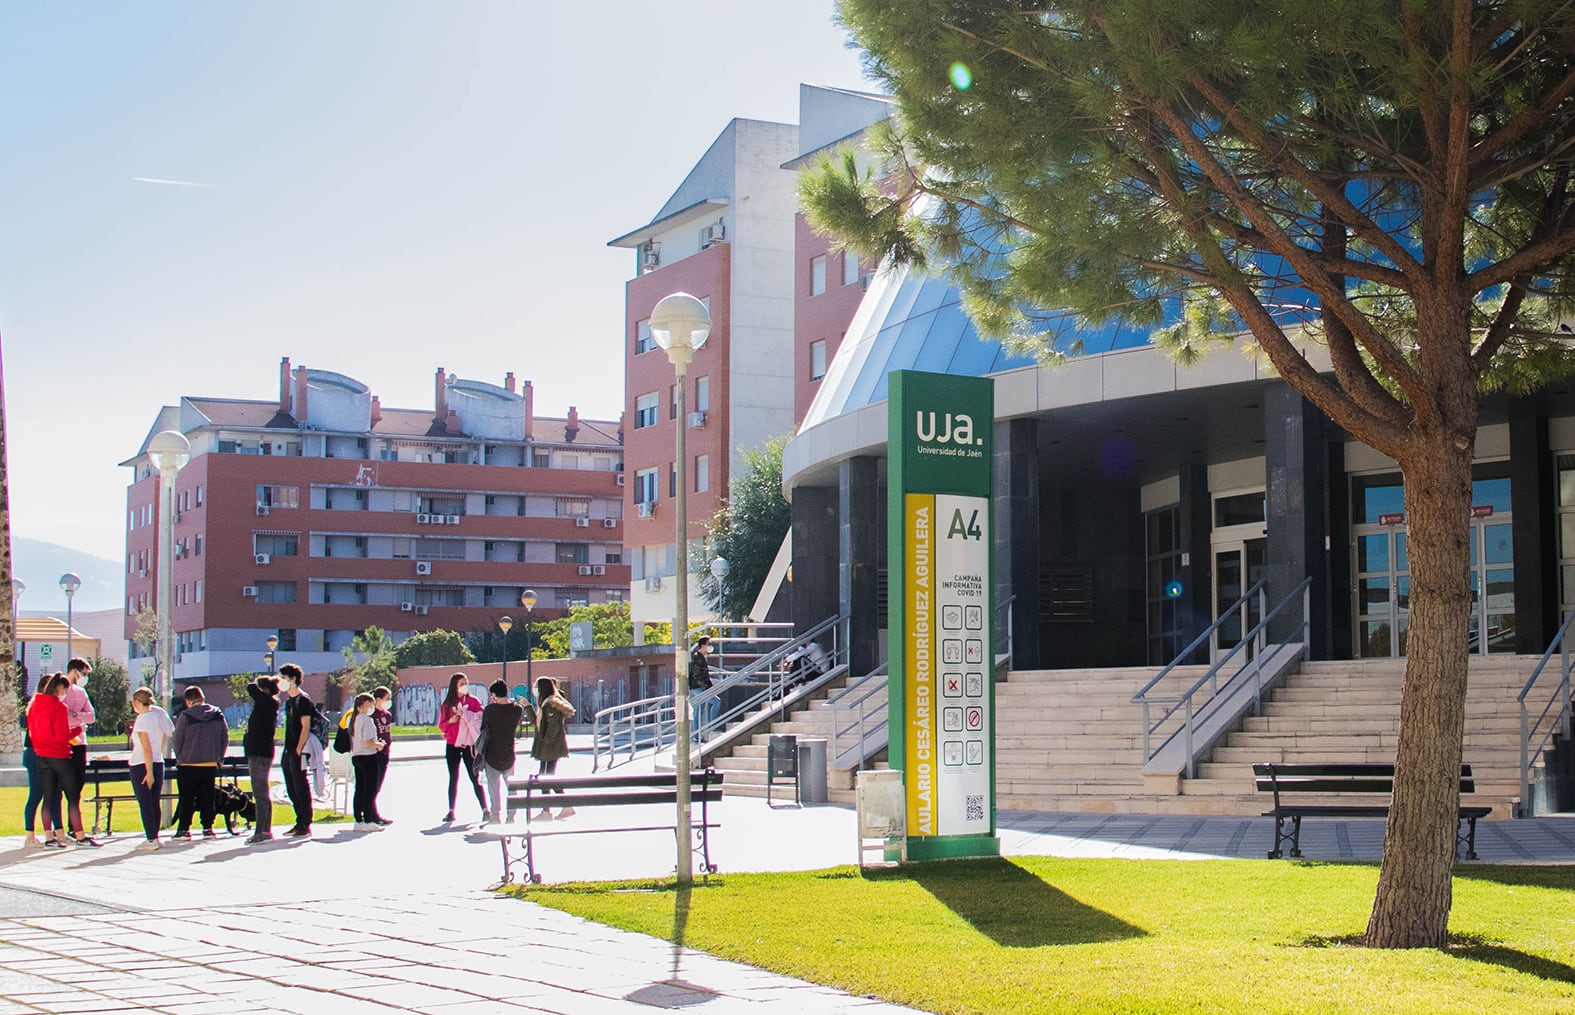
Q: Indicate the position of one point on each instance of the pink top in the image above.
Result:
(79, 710)
(448, 721)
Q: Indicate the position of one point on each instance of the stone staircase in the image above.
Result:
(1350, 711)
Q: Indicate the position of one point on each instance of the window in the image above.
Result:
(614, 557)
(645, 410)
(645, 486)
(440, 504)
(672, 481)
(286, 640)
(276, 592)
(540, 460)
(199, 496)
(643, 342)
(198, 544)
(703, 393)
(850, 267)
(277, 544)
(198, 588)
(672, 401)
(440, 549)
(573, 553)
(573, 507)
(279, 496)
(817, 360)
(817, 275)
(702, 473)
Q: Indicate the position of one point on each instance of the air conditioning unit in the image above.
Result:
(609, 523)
(262, 510)
(598, 569)
(646, 509)
(585, 569)
(620, 479)
(453, 519)
(423, 567)
(262, 558)
(421, 611)
(440, 519)
(582, 522)
(142, 573)
(651, 255)
(406, 607)
(697, 420)
(711, 235)
(249, 590)
(423, 519)
(653, 584)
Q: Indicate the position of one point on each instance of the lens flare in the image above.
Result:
(962, 77)
(1173, 590)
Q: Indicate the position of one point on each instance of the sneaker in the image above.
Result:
(182, 835)
(567, 812)
(148, 845)
(33, 843)
(385, 822)
(545, 815)
(84, 840)
(208, 833)
(55, 843)
(448, 819)
(259, 837)
(298, 833)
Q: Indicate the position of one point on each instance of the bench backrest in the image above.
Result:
(658, 787)
(1277, 778)
(98, 772)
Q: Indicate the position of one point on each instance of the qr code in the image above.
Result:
(975, 807)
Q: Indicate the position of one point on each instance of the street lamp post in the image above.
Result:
(69, 583)
(527, 600)
(170, 451)
(720, 568)
(680, 324)
(505, 624)
(272, 642)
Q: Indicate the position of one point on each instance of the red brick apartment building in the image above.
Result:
(319, 514)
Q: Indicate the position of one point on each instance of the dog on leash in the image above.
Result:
(231, 802)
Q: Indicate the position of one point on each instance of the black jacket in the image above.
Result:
(699, 671)
(260, 728)
(201, 735)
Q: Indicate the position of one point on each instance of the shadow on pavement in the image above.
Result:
(1011, 906)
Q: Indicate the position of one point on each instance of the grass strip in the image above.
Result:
(1040, 934)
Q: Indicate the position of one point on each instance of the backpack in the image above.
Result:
(342, 733)
(320, 725)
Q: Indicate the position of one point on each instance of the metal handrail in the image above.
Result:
(651, 723)
(866, 687)
(1547, 729)
(1254, 637)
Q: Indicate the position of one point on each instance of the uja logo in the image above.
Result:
(953, 429)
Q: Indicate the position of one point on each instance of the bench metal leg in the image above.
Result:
(1281, 836)
(1467, 839)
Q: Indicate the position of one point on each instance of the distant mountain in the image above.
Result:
(41, 564)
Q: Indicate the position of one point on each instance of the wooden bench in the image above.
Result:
(596, 791)
(1337, 780)
(111, 783)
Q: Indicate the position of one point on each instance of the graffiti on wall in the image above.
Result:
(416, 705)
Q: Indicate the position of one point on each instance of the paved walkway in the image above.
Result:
(401, 920)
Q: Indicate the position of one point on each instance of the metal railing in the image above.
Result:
(1255, 638)
(1548, 723)
(651, 723)
(869, 717)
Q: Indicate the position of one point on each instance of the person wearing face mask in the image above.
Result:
(52, 734)
(298, 712)
(459, 719)
(79, 711)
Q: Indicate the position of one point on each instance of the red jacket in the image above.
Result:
(48, 728)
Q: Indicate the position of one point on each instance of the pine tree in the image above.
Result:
(747, 532)
(1390, 179)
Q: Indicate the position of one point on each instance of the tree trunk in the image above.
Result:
(1411, 907)
(10, 731)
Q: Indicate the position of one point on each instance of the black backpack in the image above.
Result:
(320, 725)
(342, 734)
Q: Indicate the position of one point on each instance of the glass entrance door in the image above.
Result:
(1237, 566)
(1383, 572)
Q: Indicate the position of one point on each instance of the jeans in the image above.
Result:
(257, 767)
(195, 783)
(497, 790)
(57, 776)
(457, 758)
(35, 795)
(148, 797)
(295, 785)
(364, 804)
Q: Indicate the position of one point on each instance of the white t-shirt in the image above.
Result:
(155, 722)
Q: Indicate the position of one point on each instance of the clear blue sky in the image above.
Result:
(389, 187)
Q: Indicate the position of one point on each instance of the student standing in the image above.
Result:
(80, 715)
(258, 744)
(551, 742)
(52, 735)
(150, 737)
(201, 738)
(364, 749)
(298, 712)
(35, 785)
(459, 719)
(383, 720)
(500, 720)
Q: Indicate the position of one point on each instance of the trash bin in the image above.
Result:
(812, 769)
(782, 763)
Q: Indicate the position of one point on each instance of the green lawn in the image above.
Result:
(126, 819)
(1119, 936)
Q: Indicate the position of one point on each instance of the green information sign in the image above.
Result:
(942, 658)
(46, 651)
